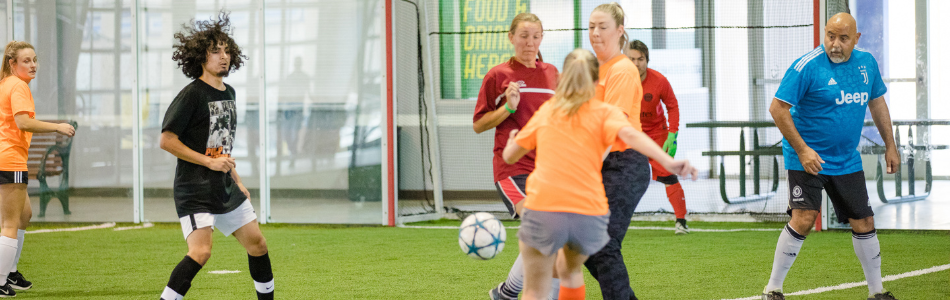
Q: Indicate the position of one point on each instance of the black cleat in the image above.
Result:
(6, 291)
(17, 282)
(773, 295)
(681, 228)
(883, 296)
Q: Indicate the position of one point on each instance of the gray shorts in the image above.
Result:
(549, 231)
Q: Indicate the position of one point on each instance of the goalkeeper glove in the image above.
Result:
(670, 145)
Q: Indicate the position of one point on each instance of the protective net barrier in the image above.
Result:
(724, 61)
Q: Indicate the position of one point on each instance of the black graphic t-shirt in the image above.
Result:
(204, 118)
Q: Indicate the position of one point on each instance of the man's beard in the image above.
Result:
(836, 59)
(224, 73)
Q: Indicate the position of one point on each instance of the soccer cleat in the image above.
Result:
(495, 294)
(681, 229)
(883, 296)
(773, 295)
(6, 291)
(17, 282)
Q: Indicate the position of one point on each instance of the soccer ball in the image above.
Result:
(482, 236)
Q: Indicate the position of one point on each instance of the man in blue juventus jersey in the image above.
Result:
(819, 107)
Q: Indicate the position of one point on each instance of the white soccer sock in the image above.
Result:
(515, 282)
(868, 249)
(20, 234)
(555, 288)
(789, 243)
(8, 249)
(170, 294)
(264, 287)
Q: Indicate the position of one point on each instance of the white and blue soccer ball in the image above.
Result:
(482, 236)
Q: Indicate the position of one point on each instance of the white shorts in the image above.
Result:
(228, 223)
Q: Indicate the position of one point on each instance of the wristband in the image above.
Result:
(508, 108)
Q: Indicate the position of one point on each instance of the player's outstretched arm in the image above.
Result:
(642, 143)
(169, 142)
(882, 119)
(513, 152)
(810, 160)
(25, 123)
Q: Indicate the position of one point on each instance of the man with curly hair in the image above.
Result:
(199, 129)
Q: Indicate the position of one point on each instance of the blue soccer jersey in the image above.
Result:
(829, 102)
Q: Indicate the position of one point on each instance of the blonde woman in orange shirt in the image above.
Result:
(565, 210)
(626, 172)
(16, 129)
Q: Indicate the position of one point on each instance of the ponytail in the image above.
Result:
(576, 85)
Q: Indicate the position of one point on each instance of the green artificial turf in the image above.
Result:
(357, 262)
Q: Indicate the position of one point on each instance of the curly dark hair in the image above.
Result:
(198, 37)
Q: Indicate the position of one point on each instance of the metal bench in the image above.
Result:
(911, 151)
(49, 156)
(757, 150)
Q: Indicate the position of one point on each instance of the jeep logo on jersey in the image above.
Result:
(861, 98)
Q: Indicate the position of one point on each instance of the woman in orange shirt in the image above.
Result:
(16, 128)
(565, 211)
(626, 172)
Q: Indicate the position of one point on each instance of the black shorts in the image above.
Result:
(848, 193)
(14, 177)
(512, 191)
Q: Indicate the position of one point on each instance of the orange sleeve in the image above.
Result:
(613, 122)
(21, 100)
(623, 90)
(528, 136)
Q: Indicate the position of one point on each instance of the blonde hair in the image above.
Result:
(10, 52)
(616, 12)
(526, 17)
(576, 85)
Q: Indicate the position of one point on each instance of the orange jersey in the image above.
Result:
(656, 89)
(15, 98)
(569, 155)
(619, 85)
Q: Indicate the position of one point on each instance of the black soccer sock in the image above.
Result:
(263, 276)
(681, 221)
(180, 280)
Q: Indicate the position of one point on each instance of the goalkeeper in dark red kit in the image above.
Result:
(654, 122)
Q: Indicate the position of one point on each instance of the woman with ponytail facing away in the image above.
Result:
(565, 215)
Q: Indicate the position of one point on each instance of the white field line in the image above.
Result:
(706, 230)
(90, 227)
(631, 227)
(146, 225)
(857, 284)
(224, 272)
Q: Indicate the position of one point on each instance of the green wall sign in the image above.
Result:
(469, 53)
